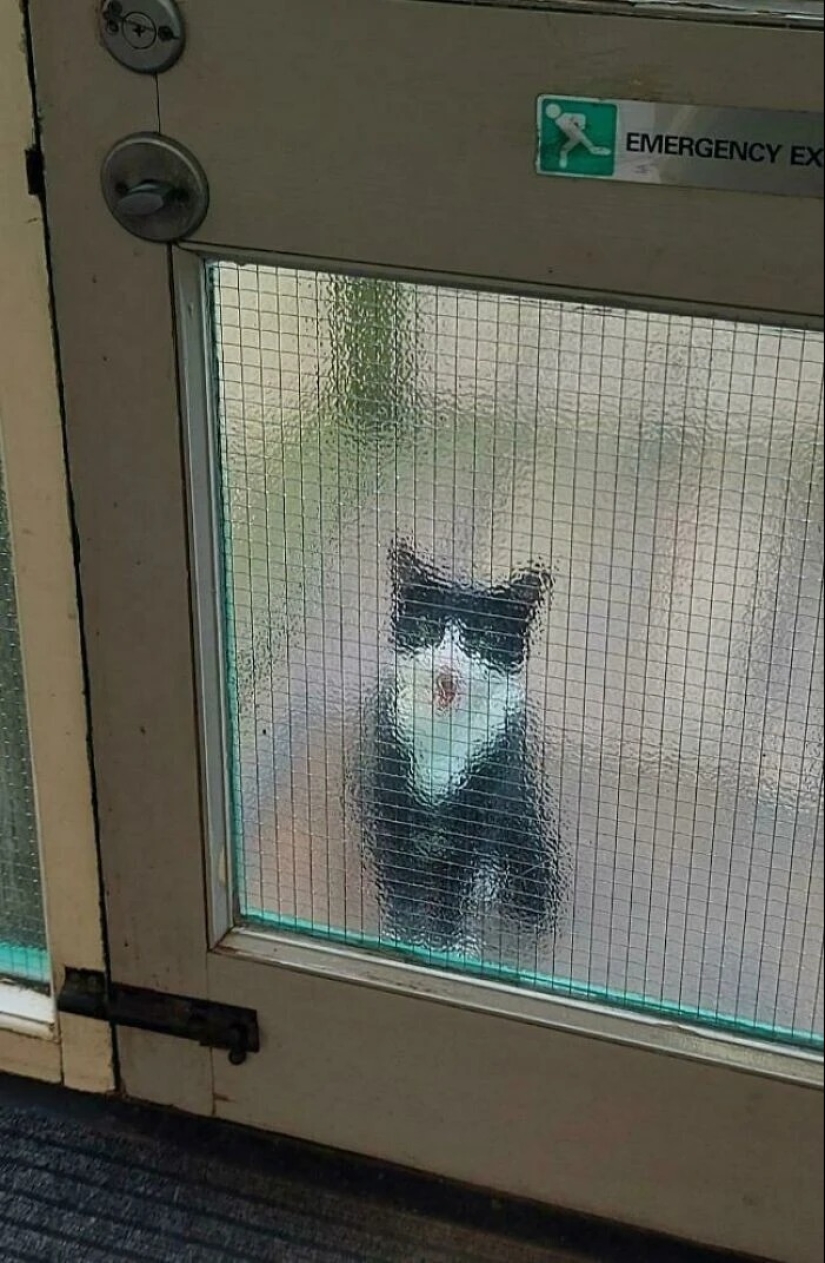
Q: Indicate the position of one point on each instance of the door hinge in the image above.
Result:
(35, 173)
(88, 993)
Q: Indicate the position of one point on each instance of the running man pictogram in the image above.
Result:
(573, 126)
(576, 137)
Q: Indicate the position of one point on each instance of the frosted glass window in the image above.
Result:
(523, 623)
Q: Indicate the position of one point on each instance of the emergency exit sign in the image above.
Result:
(748, 151)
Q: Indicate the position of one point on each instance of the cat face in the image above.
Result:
(460, 649)
(491, 625)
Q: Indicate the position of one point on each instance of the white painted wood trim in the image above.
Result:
(30, 1055)
(25, 1010)
(592, 1020)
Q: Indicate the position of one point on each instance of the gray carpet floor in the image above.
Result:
(97, 1181)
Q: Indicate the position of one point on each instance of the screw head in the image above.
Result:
(138, 30)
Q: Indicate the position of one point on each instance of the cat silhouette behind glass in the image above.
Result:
(456, 818)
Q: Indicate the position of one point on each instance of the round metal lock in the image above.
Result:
(143, 35)
(154, 187)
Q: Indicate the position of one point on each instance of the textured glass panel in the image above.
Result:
(524, 638)
(22, 934)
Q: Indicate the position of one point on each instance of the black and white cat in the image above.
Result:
(455, 814)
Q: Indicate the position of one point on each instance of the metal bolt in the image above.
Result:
(238, 1045)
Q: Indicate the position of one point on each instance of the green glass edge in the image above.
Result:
(24, 964)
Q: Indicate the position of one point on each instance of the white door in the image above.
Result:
(450, 546)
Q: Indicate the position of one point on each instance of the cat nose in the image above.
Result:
(446, 688)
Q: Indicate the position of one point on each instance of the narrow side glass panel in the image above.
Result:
(22, 932)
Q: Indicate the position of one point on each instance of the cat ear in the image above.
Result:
(527, 588)
(405, 567)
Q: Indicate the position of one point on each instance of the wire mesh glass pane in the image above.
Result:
(523, 622)
(22, 932)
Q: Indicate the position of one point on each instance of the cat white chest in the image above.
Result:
(450, 707)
